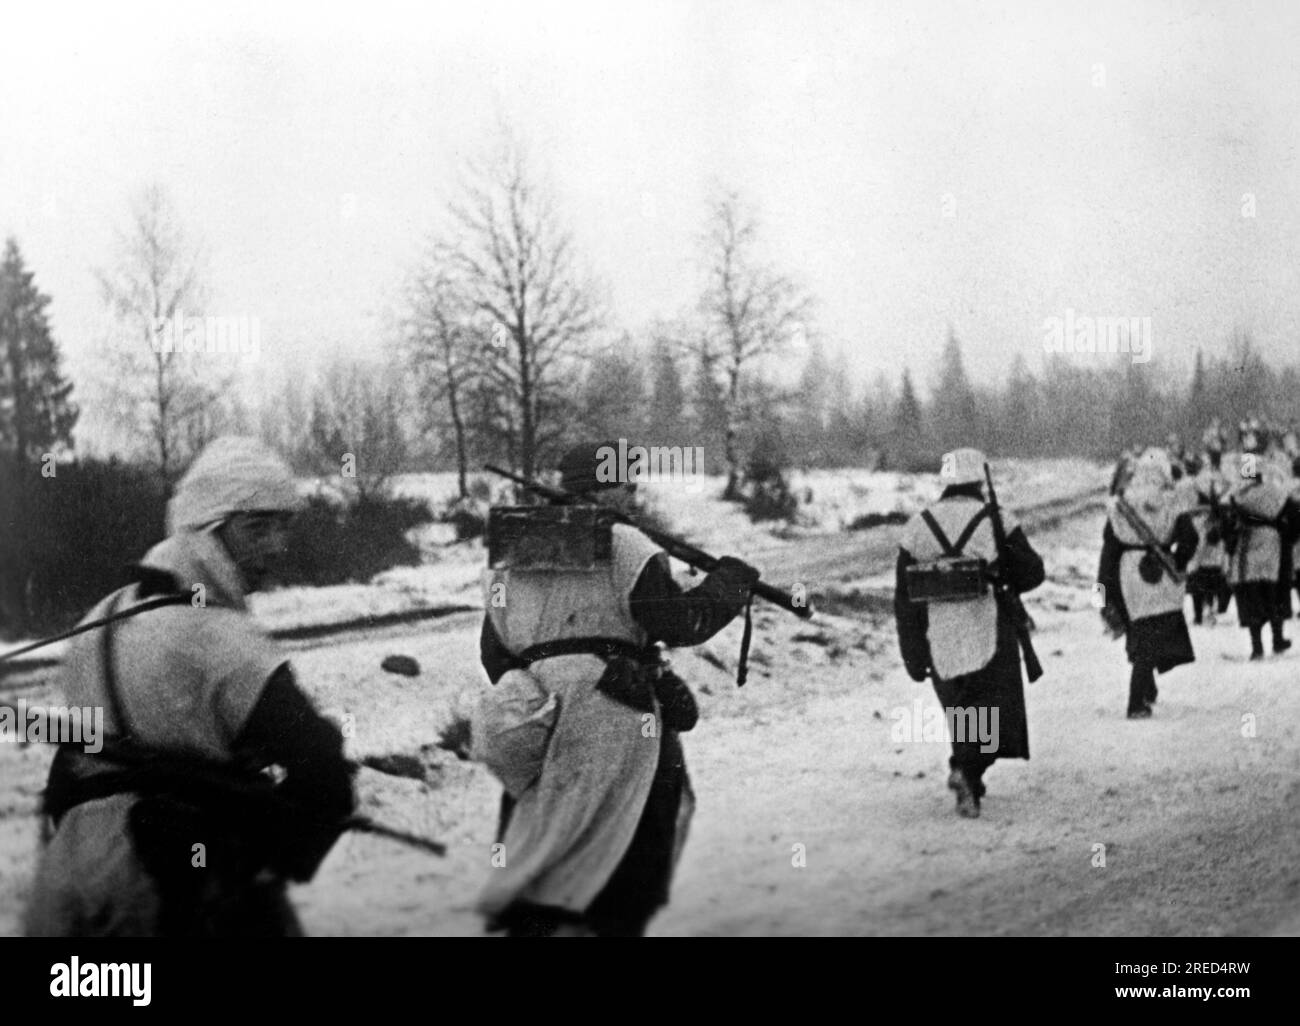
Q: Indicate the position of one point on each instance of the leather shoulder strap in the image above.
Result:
(109, 623)
(971, 528)
(110, 673)
(937, 531)
(954, 548)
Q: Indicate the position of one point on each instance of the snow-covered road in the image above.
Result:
(812, 819)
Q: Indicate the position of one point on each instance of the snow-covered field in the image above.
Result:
(1196, 820)
(1195, 811)
(830, 500)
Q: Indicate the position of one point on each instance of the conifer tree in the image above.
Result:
(36, 416)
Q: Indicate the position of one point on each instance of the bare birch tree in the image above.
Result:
(512, 263)
(155, 280)
(749, 311)
(445, 350)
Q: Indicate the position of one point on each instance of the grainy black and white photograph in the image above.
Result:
(758, 469)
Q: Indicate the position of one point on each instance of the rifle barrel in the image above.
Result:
(1002, 587)
(671, 544)
(143, 607)
(366, 825)
(1149, 539)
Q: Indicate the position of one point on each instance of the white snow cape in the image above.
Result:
(24, 724)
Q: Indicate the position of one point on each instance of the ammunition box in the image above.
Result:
(947, 580)
(549, 538)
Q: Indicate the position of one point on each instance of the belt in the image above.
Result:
(60, 800)
(68, 788)
(605, 648)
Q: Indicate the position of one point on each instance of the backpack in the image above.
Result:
(951, 577)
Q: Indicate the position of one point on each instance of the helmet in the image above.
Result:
(581, 468)
(1153, 469)
(962, 466)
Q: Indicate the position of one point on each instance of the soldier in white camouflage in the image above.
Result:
(966, 645)
(1263, 528)
(173, 828)
(1207, 578)
(1142, 597)
(592, 834)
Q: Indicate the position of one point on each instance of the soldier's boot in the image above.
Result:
(1280, 644)
(968, 805)
(525, 919)
(1141, 691)
(1256, 643)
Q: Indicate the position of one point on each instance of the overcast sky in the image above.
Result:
(914, 165)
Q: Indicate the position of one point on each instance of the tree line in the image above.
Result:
(503, 349)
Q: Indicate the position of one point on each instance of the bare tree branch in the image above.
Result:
(749, 311)
(156, 279)
(507, 261)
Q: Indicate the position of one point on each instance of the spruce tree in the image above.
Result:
(1198, 415)
(36, 416)
(667, 408)
(954, 416)
(1018, 433)
(611, 403)
(814, 431)
(909, 442)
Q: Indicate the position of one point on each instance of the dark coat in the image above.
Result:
(1259, 602)
(1158, 641)
(999, 684)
